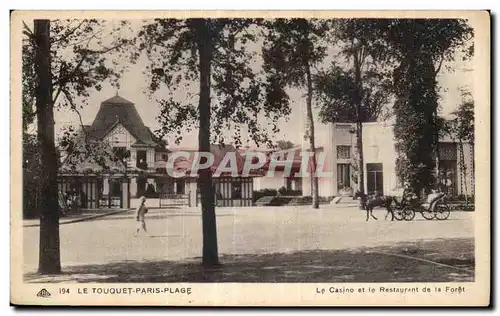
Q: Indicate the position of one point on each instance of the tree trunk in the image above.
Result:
(438, 178)
(437, 166)
(437, 171)
(361, 171)
(210, 252)
(312, 146)
(473, 171)
(463, 170)
(49, 254)
(359, 128)
(455, 145)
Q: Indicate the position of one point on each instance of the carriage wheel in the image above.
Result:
(398, 214)
(408, 213)
(442, 211)
(428, 214)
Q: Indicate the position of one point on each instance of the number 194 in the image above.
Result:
(63, 290)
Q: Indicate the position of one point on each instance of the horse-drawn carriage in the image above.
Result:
(434, 207)
(405, 207)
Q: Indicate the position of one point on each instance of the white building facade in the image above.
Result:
(380, 162)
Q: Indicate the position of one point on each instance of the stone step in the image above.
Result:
(344, 201)
(350, 201)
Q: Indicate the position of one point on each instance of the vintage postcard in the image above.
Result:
(246, 158)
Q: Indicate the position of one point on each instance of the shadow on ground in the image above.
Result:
(406, 262)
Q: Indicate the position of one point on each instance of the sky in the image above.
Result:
(134, 86)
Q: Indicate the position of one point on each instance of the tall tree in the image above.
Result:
(214, 55)
(69, 60)
(359, 91)
(294, 49)
(49, 259)
(419, 47)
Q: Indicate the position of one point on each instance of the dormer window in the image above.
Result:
(121, 153)
(141, 159)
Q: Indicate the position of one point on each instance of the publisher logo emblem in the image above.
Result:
(43, 293)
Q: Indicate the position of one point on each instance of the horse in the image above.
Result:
(374, 201)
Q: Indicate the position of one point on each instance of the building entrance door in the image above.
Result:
(448, 177)
(375, 178)
(343, 176)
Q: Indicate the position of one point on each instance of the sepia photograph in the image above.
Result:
(250, 158)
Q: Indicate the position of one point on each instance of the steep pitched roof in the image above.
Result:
(118, 110)
(117, 100)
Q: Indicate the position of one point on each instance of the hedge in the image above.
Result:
(266, 192)
(290, 200)
(307, 200)
(273, 201)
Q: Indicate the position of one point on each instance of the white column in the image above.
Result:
(256, 183)
(133, 187)
(306, 185)
(105, 189)
(133, 156)
(333, 153)
(125, 195)
(150, 157)
(192, 191)
(469, 160)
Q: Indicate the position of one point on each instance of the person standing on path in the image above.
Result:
(140, 216)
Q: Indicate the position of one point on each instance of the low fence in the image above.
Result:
(87, 192)
(231, 192)
(168, 199)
